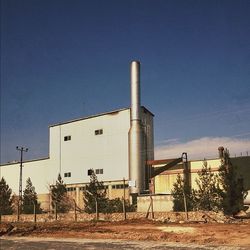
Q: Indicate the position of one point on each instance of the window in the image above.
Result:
(119, 186)
(71, 189)
(99, 171)
(67, 138)
(90, 171)
(67, 174)
(82, 188)
(99, 132)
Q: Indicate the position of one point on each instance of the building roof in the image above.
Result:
(25, 161)
(97, 115)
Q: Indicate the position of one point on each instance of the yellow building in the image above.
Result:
(163, 183)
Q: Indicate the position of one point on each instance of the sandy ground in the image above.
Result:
(236, 234)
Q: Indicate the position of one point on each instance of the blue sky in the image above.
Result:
(62, 60)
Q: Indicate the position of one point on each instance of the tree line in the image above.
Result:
(223, 191)
(94, 194)
(9, 202)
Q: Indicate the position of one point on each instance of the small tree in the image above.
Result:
(60, 200)
(232, 193)
(207, 197)
(180, 189)
(30, 199)
(5, 198)
(94, 192)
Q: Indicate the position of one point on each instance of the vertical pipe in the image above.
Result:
(135, 92)
(136, 168)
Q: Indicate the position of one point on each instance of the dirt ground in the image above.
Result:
(235, 234)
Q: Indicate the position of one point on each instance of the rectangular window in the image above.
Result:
(90, 171)
(99, 132)
(119, 186)
(67, 174)
(67, 138)
(99, 171)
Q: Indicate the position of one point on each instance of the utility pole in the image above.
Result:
(186, 181)
(21, 149)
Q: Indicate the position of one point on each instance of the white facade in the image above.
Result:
(40, 172)
(98, 142)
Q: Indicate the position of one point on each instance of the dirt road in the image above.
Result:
(237, 235)
(24, 243)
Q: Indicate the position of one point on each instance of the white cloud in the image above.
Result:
(206, 147)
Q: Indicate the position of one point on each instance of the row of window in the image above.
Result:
(97, 132)
(118, 186)
(97, 171)
(84, 188)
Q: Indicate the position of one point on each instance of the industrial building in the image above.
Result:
(162, 184)
(118, 146)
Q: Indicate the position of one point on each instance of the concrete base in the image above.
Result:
(161, 203)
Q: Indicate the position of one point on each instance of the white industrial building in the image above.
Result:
(109, 143)
(119, 147)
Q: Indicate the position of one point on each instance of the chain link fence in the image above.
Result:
(70, 208)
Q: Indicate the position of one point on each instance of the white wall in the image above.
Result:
(39, 171)
(85, 150)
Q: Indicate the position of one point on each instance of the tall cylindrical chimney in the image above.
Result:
(136, 168)
(135, 91)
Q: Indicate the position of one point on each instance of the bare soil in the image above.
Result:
(236, 234)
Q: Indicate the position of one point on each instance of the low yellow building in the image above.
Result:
(163, 183)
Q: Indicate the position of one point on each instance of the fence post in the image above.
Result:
(124, 205)
(34, 211)
(96, 209)
(124, 209)
(18, 209)
(152, 207)
(75, 211)
(185, 204)
(56, 209)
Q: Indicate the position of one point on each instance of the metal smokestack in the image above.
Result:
(135, 92)
(136, 168)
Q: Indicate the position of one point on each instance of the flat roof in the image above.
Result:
(25, 161)
(97, 115)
